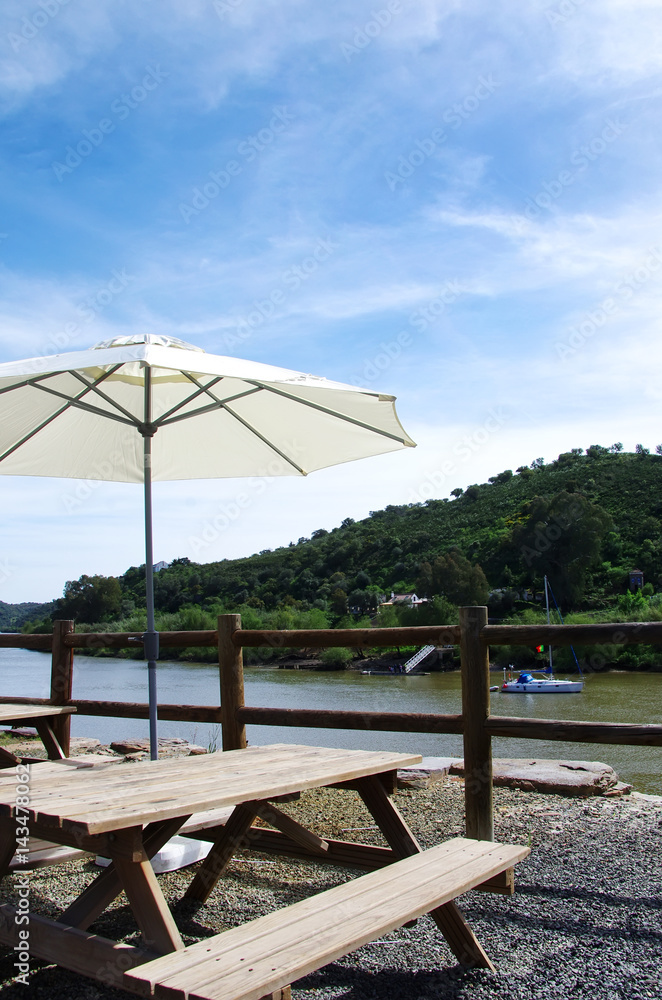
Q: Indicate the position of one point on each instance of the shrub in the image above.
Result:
(336, 656)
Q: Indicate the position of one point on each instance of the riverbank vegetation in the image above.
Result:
(586, 520)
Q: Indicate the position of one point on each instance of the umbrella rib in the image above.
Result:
(219, 404)
(187, 416)
(332, 413)
(266, 441)
(165, 417)
(223, 404)
(75, 401)
(238, 395)
(36, 379)
(53, 416)
(108, 399)
(33, 433)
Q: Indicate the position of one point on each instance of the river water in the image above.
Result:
(609, 697)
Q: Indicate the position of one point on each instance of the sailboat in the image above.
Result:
(533, 683)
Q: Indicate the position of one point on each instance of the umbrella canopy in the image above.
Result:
(143, 408)
(83, 415)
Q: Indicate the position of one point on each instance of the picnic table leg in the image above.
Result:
(149, 905)
(231, 839)
(107, 885)
(49, 739)
(448, 918)
(7, 844)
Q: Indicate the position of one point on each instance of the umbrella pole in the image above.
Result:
(151, 636)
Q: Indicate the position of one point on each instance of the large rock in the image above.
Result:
(83, 744)
(555, 777)
(172, 746)
(430, 771)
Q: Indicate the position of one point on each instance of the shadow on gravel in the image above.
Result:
(46, 982)
(608, 898)
(389, 984)
(583, 928)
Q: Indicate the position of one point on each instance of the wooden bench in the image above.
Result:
(43, 854)
(42, 716)
(265, 955)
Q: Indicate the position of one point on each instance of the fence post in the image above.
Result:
(62, 668)
(231, 670)
(475, 710)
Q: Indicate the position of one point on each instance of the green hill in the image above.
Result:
(14, 616)
(585, 520)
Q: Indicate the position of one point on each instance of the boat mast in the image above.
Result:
(551, 670)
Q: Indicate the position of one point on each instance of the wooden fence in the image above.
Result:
(475, 723)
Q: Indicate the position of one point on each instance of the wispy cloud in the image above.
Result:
(518, 212)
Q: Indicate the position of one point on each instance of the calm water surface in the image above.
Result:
(612, 697)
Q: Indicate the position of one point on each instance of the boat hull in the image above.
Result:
(542, 687)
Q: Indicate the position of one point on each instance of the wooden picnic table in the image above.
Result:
(40, 716)
(128, 813)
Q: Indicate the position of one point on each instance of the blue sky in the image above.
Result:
(456, 202)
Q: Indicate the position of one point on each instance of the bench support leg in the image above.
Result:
(107, 885)
(304, 838)
(232, 839)
(448, 918)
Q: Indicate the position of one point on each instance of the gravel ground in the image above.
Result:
(585, 920)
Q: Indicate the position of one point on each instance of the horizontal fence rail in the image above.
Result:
(475, 724)
(356, 638)
(16, 640)
(389, 722)
(130, 709)
(616, 733)
(618, 634)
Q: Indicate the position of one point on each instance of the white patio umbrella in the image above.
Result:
(142, 408)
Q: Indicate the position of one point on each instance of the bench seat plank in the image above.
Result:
(255, 959)
(43, 854)
(18, 712)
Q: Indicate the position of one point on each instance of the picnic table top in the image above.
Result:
(12, 711)
(99, 801)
